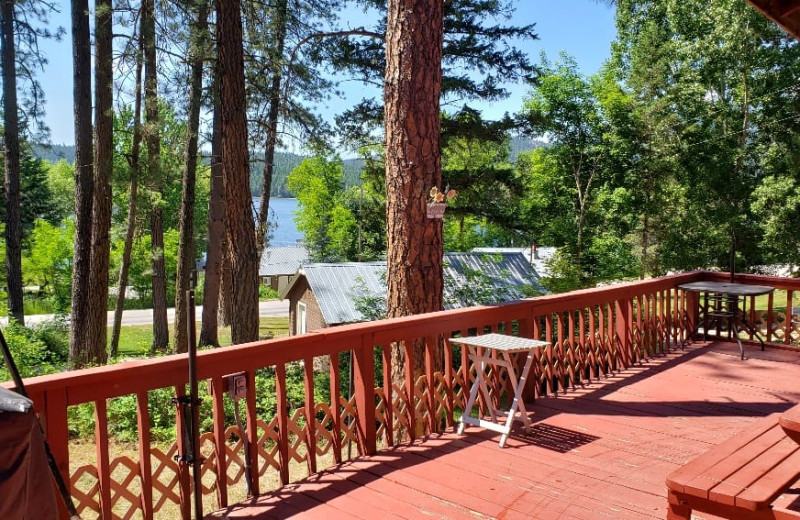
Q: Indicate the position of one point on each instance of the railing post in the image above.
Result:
(623, 311)
(57, 433)
(364, 389)
(692, 312)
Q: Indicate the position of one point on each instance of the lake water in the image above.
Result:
(282, 212)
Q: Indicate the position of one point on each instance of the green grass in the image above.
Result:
(136, 340)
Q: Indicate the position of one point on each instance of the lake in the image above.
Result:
(282, 212)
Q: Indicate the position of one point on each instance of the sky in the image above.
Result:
(582, 28)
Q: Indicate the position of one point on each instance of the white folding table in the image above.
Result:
(505, 346)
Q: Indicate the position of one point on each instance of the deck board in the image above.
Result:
(602, 451)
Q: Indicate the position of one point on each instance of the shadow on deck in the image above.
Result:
(599, 451)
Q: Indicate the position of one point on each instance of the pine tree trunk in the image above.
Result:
(97, 325)
(413, 164)
(276, 57)
(153, 140)
(13, 235)
(225, 310)
(79, 355)
(236, 172)
(133, 194)
(186, 223)
(216, 232)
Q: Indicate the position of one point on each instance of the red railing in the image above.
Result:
(778, 327)
(592, 333)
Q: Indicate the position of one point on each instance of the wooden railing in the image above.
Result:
(592, 333)
(778, 327)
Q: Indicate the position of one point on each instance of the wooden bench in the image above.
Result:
(741, 478)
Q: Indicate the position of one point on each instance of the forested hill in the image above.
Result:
(55, 152)
(284, 163)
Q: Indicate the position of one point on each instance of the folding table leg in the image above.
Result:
(517, 405)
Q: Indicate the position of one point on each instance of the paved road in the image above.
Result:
(274, 308)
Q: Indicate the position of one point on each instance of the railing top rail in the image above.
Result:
(142, 375)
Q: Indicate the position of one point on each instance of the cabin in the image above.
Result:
(279, 264)
(323, 295)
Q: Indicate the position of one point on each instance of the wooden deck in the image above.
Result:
(599, 452)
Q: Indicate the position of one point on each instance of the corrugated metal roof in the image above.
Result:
(282, 260)
(337, 287)
(540, 259)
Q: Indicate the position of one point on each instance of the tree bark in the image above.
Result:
(13, 234)
(79, 354)
(216, 232)
(413, 164)
(186, 247)
(153, 140)
(236, 172)
(97, 325)
(274, 95)
(133, 194)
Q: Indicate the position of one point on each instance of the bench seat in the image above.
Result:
(742, 477)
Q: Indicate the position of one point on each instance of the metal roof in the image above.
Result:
(539, 259)
(337, 287)
(282, 260)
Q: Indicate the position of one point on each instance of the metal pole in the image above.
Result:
(51, 460)
(194, 404)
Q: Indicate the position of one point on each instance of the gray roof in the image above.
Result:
(282, 260)
(539, 260)
(338, 286)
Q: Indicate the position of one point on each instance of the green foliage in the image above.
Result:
(266, 293)
(48, 262)
(329, 227)
(140, 276)
(777, 204)
(371, 305)
(36, 351)
(36, 197)
(61, 181)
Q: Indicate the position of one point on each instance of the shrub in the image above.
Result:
(36, 351)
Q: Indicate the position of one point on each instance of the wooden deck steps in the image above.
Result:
(599, 452)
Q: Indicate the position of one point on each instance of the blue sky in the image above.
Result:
(582, 28)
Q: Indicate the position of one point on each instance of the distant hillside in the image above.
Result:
(55, 152)
(520, 144)
(284, 164)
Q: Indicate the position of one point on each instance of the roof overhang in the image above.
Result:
(785, 13)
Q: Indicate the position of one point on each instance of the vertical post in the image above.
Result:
(787, 335)
(364, 386)
(101, 450)
(431, 343)
(183, 473)
(194, 403)
(770, 317)
(218, 408)
(623, 311)
(283, 421)
(411, 407)
(145, 465)
(252, 430)
(692, 312)
(311, 420)
(388, 394)
(448, 382)
(336, 414)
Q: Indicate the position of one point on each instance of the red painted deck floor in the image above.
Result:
(599, 452)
